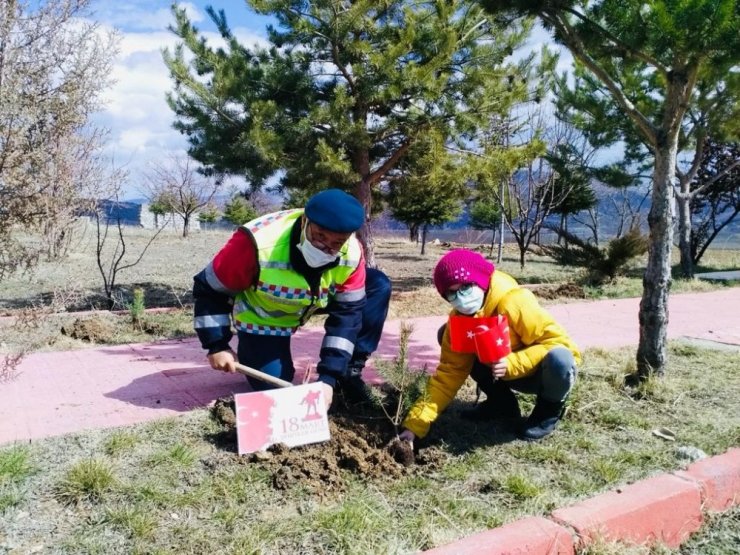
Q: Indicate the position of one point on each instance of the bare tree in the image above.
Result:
(54, 63)
(177, 186)
(625, 213)
(111, 255)
(75, 183)
(717, 204)
(533, 193)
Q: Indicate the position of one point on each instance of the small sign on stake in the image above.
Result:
(293, 416)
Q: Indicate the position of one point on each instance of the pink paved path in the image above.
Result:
(61, 392)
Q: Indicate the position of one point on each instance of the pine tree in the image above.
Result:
(239, 211)
(655, 61)
(343, 91)
(429, 187)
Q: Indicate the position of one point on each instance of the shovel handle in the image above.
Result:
(248, 371)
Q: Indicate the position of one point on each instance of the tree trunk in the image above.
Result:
(522, 253)
(683, 203)
(185, 225)
(363, 193)
(414, 233)
(653, 316)
(501, 224)
(423, 239)
(562, 226)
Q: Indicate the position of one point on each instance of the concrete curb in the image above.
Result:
(663, 509)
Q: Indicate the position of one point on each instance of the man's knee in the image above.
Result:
(377, 285)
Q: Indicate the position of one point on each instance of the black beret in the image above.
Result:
(335, 210)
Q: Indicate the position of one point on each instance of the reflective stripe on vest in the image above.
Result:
(282, 300)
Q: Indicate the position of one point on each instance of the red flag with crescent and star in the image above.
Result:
(490, 329)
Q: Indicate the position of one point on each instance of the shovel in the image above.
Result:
(253, 372)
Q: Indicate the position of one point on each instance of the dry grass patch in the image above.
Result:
(178, 486)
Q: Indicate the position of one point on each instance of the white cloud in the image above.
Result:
(135, 110)
(141, 14)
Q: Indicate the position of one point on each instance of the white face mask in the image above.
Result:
(314, 256)
(470, 301)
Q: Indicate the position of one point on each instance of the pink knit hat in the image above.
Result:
(462, 266)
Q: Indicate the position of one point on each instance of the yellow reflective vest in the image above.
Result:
(281, 300)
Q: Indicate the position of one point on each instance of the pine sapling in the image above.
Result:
(136, 308)
(404, 387)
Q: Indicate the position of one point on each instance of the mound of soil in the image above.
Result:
(564, 290)
(359, 445)
(94, 329)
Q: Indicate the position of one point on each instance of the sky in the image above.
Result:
(135, 110)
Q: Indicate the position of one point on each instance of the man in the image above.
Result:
(542, 361)
(278, 270)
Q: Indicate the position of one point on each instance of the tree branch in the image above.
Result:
(638, 54)
(390, 162)
(574, 42)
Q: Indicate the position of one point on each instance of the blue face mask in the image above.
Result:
(468, 300)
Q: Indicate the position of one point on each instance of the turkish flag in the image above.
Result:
(463, 329)
(492, 342)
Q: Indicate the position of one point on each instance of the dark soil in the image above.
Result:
(95, 329)
(565, 290)
(361, 445)
(401, 451)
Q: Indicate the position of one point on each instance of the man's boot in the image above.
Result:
(543, 420)
(500, 404)
(354, 388)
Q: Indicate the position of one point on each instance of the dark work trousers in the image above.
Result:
(552, 379)
(271, 353)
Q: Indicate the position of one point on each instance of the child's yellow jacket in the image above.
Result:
(533, 333)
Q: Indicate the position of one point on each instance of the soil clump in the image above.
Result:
(359, 447)
(94, 329)
(564, 290)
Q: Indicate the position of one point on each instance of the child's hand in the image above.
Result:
(499, 369)
(407, 435)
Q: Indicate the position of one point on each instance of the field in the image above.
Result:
(177, 486)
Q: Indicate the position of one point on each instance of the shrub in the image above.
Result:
(604, 264)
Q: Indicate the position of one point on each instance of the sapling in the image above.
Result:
(405, 386)
(136, 307)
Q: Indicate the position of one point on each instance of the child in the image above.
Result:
(543, 358)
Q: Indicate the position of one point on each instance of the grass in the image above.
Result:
(165, 276)
(15, 470)
(88, 479)
(720, 535)
(14, 465)
(169, 487)
(120, 442)
(73, 283)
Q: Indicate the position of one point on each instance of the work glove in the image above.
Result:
(407, 435)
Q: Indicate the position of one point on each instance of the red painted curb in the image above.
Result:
(664, 509)
(667, 509)
(528, 536)
(719, 479)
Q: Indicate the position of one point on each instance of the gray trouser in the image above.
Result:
(552, 379)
